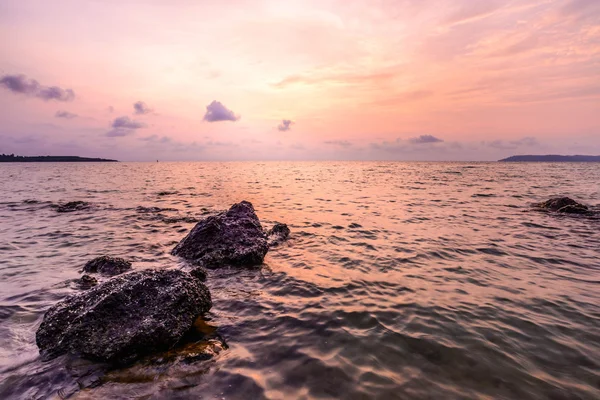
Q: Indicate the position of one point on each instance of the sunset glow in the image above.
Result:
(406, 80)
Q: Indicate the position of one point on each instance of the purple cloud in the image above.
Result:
(124, 126)
(423, 139)
(342, 143)
(30, 87)
(119, 132)
(216, 111)
(141, 108)
(285, 125)
(65, 114)
(127, 123)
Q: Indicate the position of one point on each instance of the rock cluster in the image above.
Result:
(137, 313)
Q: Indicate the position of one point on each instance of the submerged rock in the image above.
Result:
(86, 282)
(72, 206)
(126, 317)
(563, 205)
(279, 233)
(107, 266)
(234, 237)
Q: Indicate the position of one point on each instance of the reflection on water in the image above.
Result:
(401, 280)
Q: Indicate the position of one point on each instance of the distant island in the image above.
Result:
(552, 158)
(13, 158)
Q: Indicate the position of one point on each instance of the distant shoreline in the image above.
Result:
(13, 158)
(551, 158)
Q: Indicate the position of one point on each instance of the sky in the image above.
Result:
(449, 80)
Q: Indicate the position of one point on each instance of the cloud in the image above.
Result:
(221, 144)
(127, 123)
(156, 139)
(285, 125)
(527, 141)
(392, 147)
(30, 87)
(65, 114)
(423, 139)
(119, 132)
(141, 108)
(578, 7)
(216, 111)
(124, 126)
(342, 143)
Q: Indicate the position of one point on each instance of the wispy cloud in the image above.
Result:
(341, 143)
(216, 111)
(424, 139)
(65, 114)
(19, 84)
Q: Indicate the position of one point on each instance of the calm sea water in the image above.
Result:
(400, 281)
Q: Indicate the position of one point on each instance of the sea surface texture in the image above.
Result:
(400, 280)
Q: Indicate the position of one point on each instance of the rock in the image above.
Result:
(107, 266)
(279, 233)
(73, 206)
(86, 282)
(563, 205)
(124, 318)
(575, 209)
(199, 273)
(234, 237)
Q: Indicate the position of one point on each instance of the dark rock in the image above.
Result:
(73, 206)
(563, 205)
(108, 266)
(279, 233)
(86, 282)
(575, 209)
(165, 193)
(199, 273)
(234, 237)
(124, 318)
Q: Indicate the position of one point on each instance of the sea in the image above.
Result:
(400, 280)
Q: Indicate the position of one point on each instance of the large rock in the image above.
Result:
(124, 318)
(234, 237)
(107, 266)
(563, 205)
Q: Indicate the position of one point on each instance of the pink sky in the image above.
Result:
(378, 79)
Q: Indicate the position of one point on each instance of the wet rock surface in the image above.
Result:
(72, 206)
(86, 282)
(234, 237)
(563, 205)
(107, 266)
(125, 318)
(278, 234)
(199, 273)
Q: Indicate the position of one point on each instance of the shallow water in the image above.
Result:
(401, 280)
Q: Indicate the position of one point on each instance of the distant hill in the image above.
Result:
(13, 158)
(552, 158)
